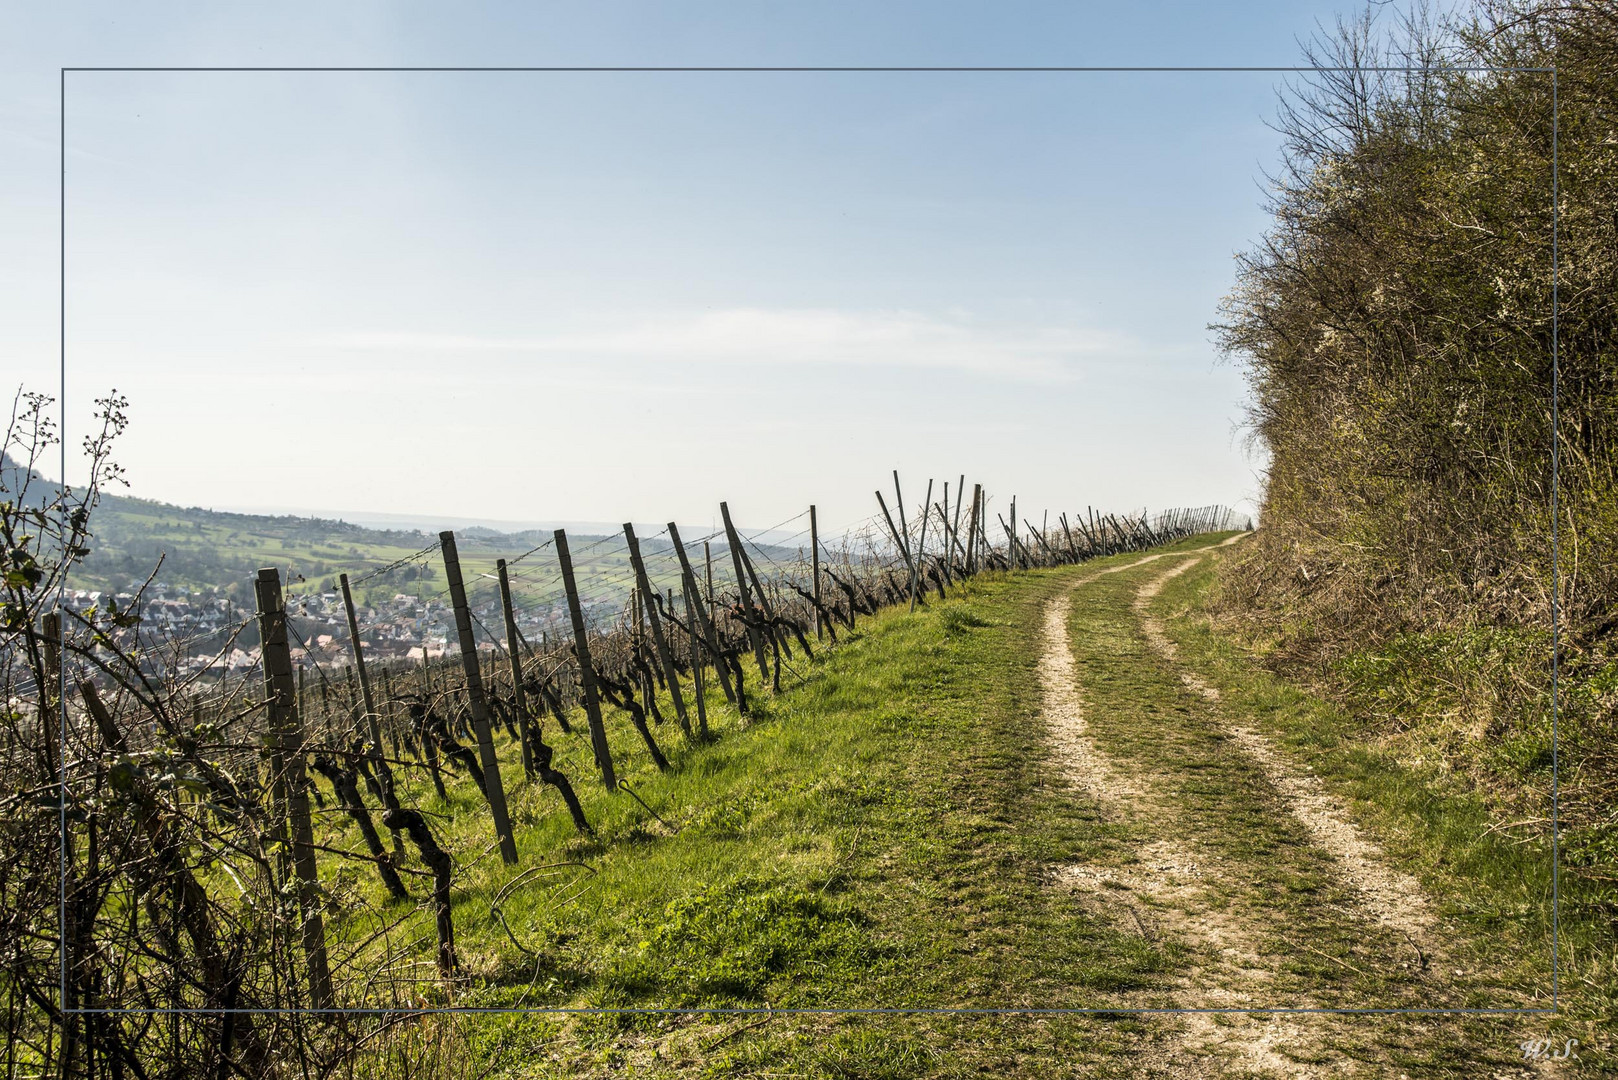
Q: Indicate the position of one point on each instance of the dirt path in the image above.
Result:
(1186, 887)
(1391, 898)
(1083, 765)
(1166, 895)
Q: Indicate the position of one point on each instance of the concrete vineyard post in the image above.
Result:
(946, 558)
(493, 783)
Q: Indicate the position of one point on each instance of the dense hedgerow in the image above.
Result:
(1396, 327)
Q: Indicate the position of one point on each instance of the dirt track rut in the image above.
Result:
(1172, 892)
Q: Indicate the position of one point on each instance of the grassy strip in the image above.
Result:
(885, 834)
(1493, 893)
(880, 836)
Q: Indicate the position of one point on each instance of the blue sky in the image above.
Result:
(600, 296)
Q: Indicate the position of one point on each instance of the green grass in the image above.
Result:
(880, 835)
(885, 834)
(1493, 892)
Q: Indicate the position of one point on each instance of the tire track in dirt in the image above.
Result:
(1171, 882)
(1173, 892)
(1388, 896)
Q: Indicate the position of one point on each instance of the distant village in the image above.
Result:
(186, 631)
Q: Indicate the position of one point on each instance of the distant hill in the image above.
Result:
(221, 550)
(216, 549)
(432, 523)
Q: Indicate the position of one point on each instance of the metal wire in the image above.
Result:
(428, 550)
(530, 551)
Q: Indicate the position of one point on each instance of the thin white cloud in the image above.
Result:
(793, 336)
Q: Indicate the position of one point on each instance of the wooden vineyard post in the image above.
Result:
(1039, 534)
(814, 562)
(753, 636)
(707, 569)
(904, 536)
(947, 559)
(372, 720)
(710, 635)
(972, 530)
(1011, 534)
(898, 537)
(969, 548)
(632, 617)
(949, 535)
(984, 548)
(536, 756)
(494, 786)
(697, 689)
(659, 642)
(1124, 538)
(302, 697)
(587, 677)
(353, 700)
(392, 715)
(519, 695)
(955, 527)
(325, 702)
(916, 581)
(1093, 544)
(49, 699)
(763, 599)
(287, 761)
